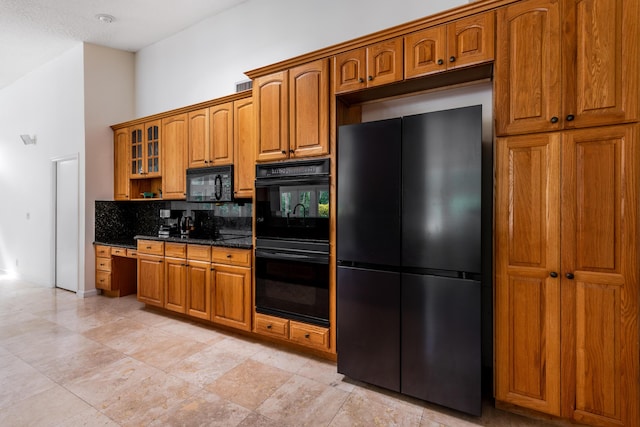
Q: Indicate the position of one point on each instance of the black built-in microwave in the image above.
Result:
(213, 184)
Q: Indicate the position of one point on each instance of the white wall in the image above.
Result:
(47, 103)
(109, 97)
(206, 60)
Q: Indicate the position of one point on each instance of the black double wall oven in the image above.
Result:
(292, 240)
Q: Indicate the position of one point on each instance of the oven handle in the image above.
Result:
(317, 259)
(270, 182)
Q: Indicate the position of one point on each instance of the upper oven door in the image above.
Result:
(293, 207)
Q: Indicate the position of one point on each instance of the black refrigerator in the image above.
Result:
(409, 255)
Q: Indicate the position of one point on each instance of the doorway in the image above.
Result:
(66, 222)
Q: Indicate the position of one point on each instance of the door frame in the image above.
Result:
(54, 221)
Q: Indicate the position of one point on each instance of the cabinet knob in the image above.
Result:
(570, 117)
(554, 119)
(212, 269)
(553, 274)
(452, 59)
(228, 255)
(361, 80)
(440, 61)
(291, 151)
(370, 78)
(569, 276)
(269, 326)
(307, 336)
(284, 152)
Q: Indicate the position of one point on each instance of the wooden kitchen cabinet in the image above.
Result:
(199, 273)
(371, 66)
(292, 107)
(175, 276)
(151, 272)
(145, 150)
(231, 289)
(566, 249)
(271, 97)
(175, 135)
(462, 43)
(221, 134)
(121, 164)
(198, 138)
(309, 109)
(566, 64)
(115, 271)
(244, 137)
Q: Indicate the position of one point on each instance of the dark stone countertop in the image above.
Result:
(228, 241)
(129, 244)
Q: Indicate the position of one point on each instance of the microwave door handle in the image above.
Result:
(218, 187)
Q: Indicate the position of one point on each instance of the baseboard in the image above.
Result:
(87, 293)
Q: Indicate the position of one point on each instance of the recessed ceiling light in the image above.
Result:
(105, 19)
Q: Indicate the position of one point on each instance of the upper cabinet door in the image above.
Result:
(244, 136)
(121, 164)
(199, 138)
(174, 156)
(271, 96)
(221, 134)
(471, 40)
(349, 71)
(151, 137)
(601, 59)
(384, 62)
(309, 109)
(527, 68)
(425, 52)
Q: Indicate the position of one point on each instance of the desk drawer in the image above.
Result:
(103, 264)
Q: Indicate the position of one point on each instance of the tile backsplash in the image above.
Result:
(120, 221)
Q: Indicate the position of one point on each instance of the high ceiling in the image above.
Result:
(33, 32)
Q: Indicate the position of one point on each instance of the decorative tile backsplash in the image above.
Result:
(120, 221)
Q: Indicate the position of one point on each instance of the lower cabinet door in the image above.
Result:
(175, 284)
(151, 280)
(199, 289)
(231, 295)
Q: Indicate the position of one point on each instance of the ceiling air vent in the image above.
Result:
(245, 85)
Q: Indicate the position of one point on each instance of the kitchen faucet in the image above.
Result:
(304, 211)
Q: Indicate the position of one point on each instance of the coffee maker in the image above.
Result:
(169, 228)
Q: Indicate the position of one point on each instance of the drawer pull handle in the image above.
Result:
(307, 336)
(148, 247)
(269, 326)
(228, 255)
(101, 265)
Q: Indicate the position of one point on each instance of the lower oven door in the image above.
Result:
(293, 285)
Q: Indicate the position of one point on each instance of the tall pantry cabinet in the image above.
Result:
(566, 296)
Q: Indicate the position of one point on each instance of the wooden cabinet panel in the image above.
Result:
(527, 307)
(198, 138)
(271, 96)
(232, 297)
(103, 264)
(121, 164)
(115, 251)
(272, 326)
(384, 62)
(566, 64)
(527, 68)
(175, 284)
(374, 65)
(221, 134)
(151, 280)
(244, 137)
(231, 256)
(600, 275)
(145, 150)
(175, 134)
(103, 251)
(471, 40)
(199, 252)
(199, 289)
(151, 247)
(601, 59)
(103, 280)
(425, 52)
(175, 250)
(309, 335)
(309, 109)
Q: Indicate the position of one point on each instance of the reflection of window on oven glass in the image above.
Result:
(304, 202)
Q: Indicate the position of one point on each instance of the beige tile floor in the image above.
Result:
(99, 361)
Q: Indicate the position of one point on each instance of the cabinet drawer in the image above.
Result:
(309, 335)
(103, 251)
(231, 256)
(175, 250)
(119, 251)
(150, 247)
(103, 264)
(132, 253)
(274, 326)
(103, 280)
(199, 252)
